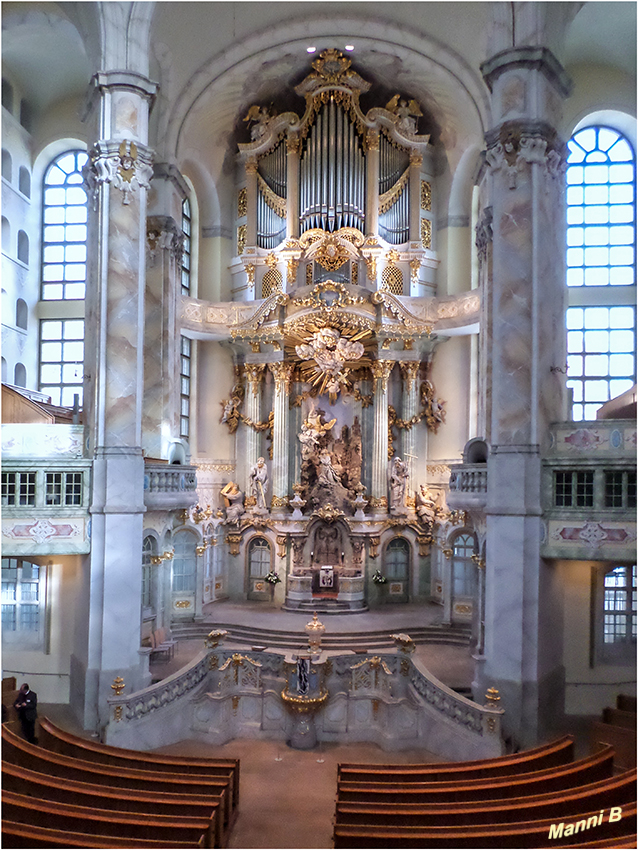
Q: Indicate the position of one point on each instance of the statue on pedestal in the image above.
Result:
(259, 485)
(398, 484)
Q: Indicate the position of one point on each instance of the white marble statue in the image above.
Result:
(398, 484)
(259, 483)
(234, 503)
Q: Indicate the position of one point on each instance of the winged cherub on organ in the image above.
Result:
(404, 110)
(260, 115)
(330, 351)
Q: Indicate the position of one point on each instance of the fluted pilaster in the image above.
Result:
(410, 371)
(253, 373)
(381, 372)
(282, 373)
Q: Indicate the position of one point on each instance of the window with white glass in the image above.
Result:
(64, 228)
(601, 263)
(185, 386)
(62, 360)
(23, 600)
(184, 564)
(186, 247)
(463, 568)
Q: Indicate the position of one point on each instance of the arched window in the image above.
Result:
(187, 222)
(23, 247)
(24, 181)
(23, 600)
(259, 557)
(7, 95)
(6, 235)
(20, 375)
(397, 559)
(601, 233)
(463, 569)
(7, 165)
(148, 550)
(22, 314)
(64, 229)
(184, 572)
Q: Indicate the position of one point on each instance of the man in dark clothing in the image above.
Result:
(26, 706)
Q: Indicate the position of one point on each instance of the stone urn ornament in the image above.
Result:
(315, 630)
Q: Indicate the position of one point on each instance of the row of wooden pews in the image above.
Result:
(72, 792)
(617, 727)
(539, 798)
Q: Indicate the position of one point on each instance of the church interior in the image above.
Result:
(319, 387)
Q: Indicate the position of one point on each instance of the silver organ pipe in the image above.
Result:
(271, 227)
(394, 224)
(332, 173)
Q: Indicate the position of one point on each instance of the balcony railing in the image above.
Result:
(169, 487)
(468, 486)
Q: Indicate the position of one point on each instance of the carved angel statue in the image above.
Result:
(312, 430)
(404, 111)
(131, 168)
(433, 409)
(398, 483)
(230, 413)
(259, 483)
(330, 351)
(260, 115)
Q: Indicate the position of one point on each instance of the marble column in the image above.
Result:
(525, 190)
(292, 186)
(117, 176)
(282, 373)
(416, 161)
(251, 203)
(372, 182)
(379, 490)
(410, 408)
(253, 373)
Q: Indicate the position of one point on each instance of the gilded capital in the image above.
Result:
(282, 373)
(381, 371)
(409, 370)
(372, 140)
(416, 159)
(254, 372)
(251, 166)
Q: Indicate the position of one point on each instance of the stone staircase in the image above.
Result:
(361, 641)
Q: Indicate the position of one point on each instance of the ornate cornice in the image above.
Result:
(125, 165)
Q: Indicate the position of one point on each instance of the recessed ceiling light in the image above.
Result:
(349, 47)
(311, 49)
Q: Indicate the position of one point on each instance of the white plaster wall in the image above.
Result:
(215, 380)
(48, 674)
(451, 374)
(588, 689)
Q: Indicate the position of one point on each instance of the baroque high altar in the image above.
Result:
(333, 331)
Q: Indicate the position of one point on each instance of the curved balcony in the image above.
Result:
(169, 487)
(468, 486)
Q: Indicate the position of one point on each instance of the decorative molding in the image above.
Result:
(242, 202)
(381, 370)
(426, 195)
(426, 233)
(128, 167)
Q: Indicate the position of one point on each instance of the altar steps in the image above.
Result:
(353, 641)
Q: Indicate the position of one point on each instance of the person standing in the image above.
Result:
(26, 705)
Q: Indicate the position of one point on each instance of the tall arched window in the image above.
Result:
(601, 233)
(23, 247)
(148, 550)
(463, 569)
(64, 228)
(24, 181)
(20, 375)
(22, 314)
(187, 222)
(62, 360)
(184, 563)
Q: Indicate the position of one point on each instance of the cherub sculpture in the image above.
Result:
(261, 116)
(404, 110)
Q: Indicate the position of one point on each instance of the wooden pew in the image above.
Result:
(20, 752)
(625, 702)
(56, 789)
(532, 833)
(621, 739)
(617, 791)
(593, 768)
(58, 740)
(19, 808)
(539, 758)
(21, 835)
(618, 717)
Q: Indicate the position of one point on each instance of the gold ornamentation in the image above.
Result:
(372, 140)
(463, 609)
(291, 271)
(381, 370)
(214, 638)
(480, 562)
(242, 202)
(251, 166)
(328, 513)
(371, 265)
(293, 143)
(309, 274)
(254, 372)
(448, 553)
(426, 195)
(279, 502)
(183, 603)
(375, 708)
(492, 697)
(233, 539)
(250, 274)
(354, 274)
(118, 686)
(237, 660)
(117, 713)
(404, 643)
(342, 299)
(424, 542)
(410, 371)
(201, 549)
(426, 233)
(271, 282)
(438, 469)
(375, 540)
(416, 159)
(213, 662)
(491, 724)
(405, 667)
(168, 555)
(241, 239)
(271, 260)
(281, 539)
(282, 373)
(392, 280)
(276, 203)
(331, 255)
(301, 704)
(156, 559)
(235, 703)
(415, 265)
(389, 198)
(332, 67)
